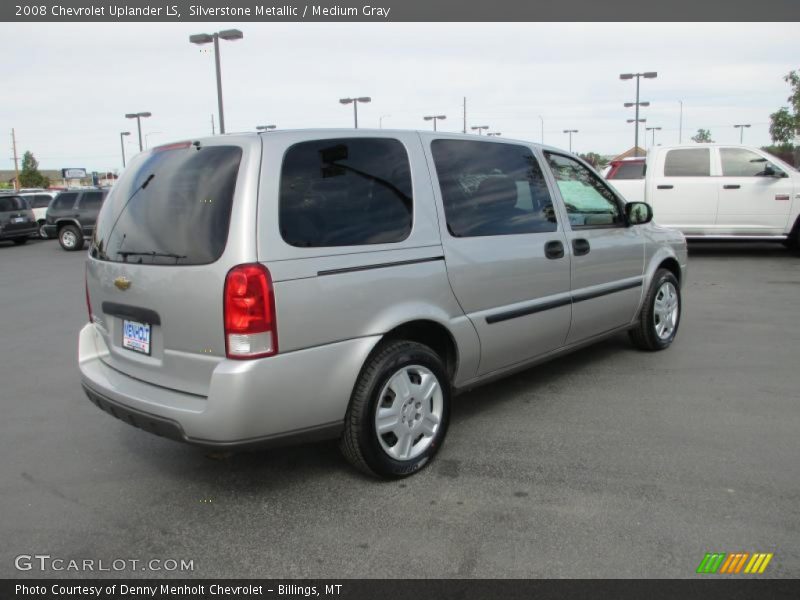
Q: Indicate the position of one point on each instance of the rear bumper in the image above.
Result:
(300, 395)
(19, 233)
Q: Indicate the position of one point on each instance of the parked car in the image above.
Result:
(39, 201)
(248, 289)
(72, 215)
(17, 222)
(720, 192)
(632, 167)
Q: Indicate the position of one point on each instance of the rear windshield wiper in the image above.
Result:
(125, 254)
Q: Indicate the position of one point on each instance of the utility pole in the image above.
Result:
(16, 163)
(465, 115)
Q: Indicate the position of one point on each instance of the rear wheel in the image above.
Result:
(42, 233)
(20, 241)
(660, 315)
(70, 238)
(398, 414)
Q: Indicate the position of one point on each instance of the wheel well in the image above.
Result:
(432, 334)
(671, 265)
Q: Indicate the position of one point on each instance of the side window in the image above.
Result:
(738, 162)
(345, 192)
(492, 188)
(688, 162)
(629, 170)
(91, 200)
(41, 201)
(64, 201)
(589, 202)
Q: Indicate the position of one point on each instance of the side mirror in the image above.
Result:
(771, 170)
(638, 213)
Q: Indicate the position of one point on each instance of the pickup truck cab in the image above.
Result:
(719, 191)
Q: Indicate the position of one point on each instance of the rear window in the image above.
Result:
(170, 207)
(689, 162)
(9, 203)
(345, 192)
(628, 170)
(40, 201)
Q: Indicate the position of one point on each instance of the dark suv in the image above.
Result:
(16, 219)
(72, 216)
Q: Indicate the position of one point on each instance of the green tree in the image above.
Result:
(785, 122)
(703, 136)
(30, 175)
(594, 159)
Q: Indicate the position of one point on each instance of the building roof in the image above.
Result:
(634, 151)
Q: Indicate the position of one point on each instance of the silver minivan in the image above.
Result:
(249, 289)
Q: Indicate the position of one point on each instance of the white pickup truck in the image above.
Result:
(718, 191)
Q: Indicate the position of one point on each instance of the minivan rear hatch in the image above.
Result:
(158, 261)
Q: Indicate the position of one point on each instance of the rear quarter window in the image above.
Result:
(345, 192)
(64, 201)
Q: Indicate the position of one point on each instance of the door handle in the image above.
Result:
(731, 186)
(665, 187)
(554, 249)
(580, 247)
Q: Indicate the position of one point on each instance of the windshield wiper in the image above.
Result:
(125, 254)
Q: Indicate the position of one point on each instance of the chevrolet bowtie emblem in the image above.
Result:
(122, 283)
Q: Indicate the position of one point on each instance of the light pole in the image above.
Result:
(147, 136)
(139, 116)
(680, 124)
(205, 38)
(122, 135)
(435, 118)
(542, 120)
(265, 127)
(479, 128)
(570, 132)
(354, 102)
(653, 129)
(637, 104)
(380, 120)
(741, 131)
(493, 134)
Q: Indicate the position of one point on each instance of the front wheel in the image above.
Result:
(70, 238)
(660, 315)
(399, 411)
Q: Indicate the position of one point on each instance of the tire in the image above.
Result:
(42, 233)
(70, 238)
(657, 327)
(415, 426)
(20, 241)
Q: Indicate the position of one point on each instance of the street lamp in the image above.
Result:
(435, 118)
(380, 120)
(741, 131)
(542, 120)
(653, 129)
(493, 134)
(570, 132)
(205, 38)
(265, 127)
(479, 128)
(637, 104)
(354, 102)
(680, 123)
(122, 135)
(147, 136)
(139, 116)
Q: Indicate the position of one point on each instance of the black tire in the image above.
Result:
(645, 335)
(73, 243)
(42, 233)
(20, 241)
(360, 443)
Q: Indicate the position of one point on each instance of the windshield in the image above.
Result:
(171, 207)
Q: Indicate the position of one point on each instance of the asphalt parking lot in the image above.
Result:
(608, 463)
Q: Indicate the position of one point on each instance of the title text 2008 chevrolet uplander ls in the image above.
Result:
(246, 288)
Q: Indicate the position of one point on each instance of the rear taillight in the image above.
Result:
(88, 301)
(249, 313)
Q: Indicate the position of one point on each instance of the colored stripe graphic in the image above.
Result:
(758, 563)
(733, 563)
(711, 562)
